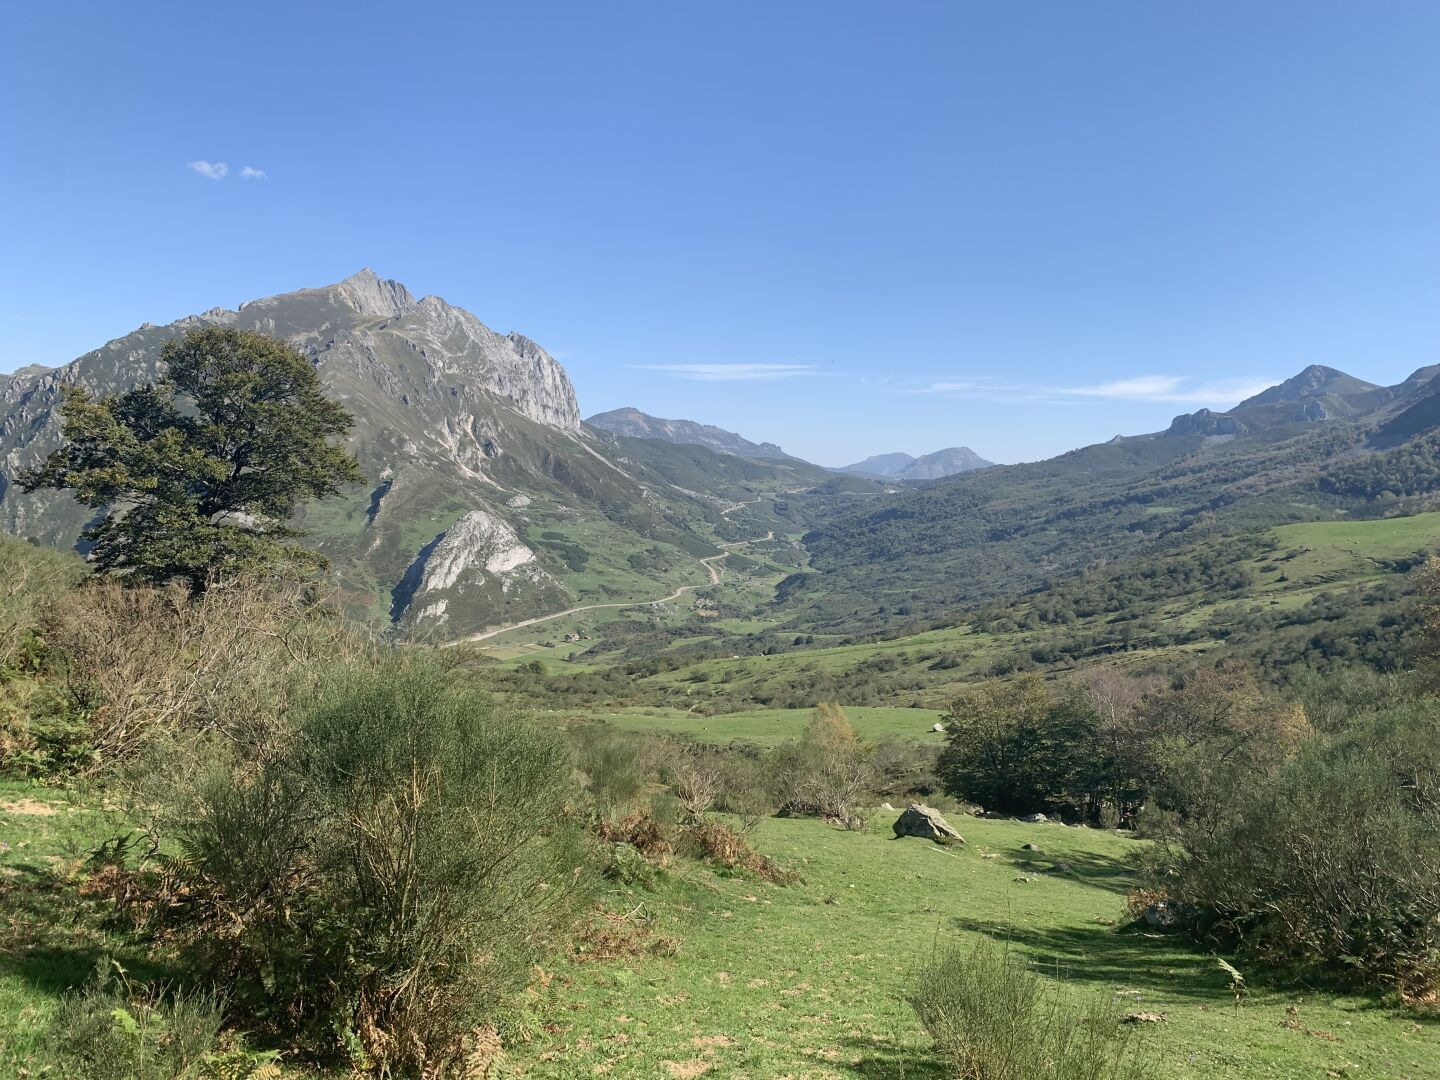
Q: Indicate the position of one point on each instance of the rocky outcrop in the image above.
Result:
(479, 540)
(480, 561)
(370, 294)
(926, 822)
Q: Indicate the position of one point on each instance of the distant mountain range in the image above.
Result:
(898, 466)
(635, 424)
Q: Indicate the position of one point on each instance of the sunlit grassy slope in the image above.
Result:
(765, 982)
(807, 980)
(767, 727)
(1333, 562)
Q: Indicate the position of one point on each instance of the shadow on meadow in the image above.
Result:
(51, 940)
(1120, 959)
(1088, 868)
(893, 1062)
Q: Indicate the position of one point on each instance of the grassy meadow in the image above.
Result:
(807, 980)
(733, 977)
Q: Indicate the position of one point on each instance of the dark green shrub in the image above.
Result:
(1016, 748)
(1335, 862)
(993, 1018)
(393, 874)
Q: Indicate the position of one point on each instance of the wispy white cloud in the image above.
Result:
(211, 170)
(731, 372)
(249, 172)
(1175, 389)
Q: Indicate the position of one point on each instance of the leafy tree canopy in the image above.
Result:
(199, 472)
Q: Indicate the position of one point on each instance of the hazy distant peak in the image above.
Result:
(902, 466)
(634, 424)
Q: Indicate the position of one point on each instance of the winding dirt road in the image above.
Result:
(708, 562)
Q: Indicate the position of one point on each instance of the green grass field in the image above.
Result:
(765, 982)
(807, 980)
(767, 727)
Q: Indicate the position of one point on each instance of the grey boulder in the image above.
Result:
(927, 822)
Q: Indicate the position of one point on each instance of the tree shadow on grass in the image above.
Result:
(55, 942)
(1123, 959)
(880, 1062)
(1099, 871)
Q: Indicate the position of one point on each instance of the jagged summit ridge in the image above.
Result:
(1314, 395)
(370, 294)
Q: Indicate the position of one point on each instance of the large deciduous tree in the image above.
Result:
(199, 473)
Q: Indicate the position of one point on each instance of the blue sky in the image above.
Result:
(846, 227)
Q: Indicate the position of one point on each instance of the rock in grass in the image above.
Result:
(927, 822)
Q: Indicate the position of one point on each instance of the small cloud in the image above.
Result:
(731, 372)
(1175, 389)
(249, 172)
(211, 170)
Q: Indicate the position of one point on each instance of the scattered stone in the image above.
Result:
(937, 727)
(991, 815)
(886, 806)
(926, 822)
(1144, 1018)
(1062, 868)
(1035, 819)
(517, 502)
(1161, 915)
(1030, 847)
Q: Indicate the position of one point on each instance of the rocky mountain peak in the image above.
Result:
(1316, 380)
(370, 294)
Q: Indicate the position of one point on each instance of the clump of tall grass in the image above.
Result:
(993, 1018)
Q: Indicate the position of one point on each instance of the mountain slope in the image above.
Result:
(1307, 452)
(487, 501)
(634, 424)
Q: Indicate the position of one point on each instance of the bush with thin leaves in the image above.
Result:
(393, 874)
(993, 1018)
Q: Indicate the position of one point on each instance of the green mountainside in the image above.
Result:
(962, 542)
